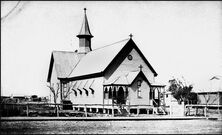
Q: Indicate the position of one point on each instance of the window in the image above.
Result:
(139, 83)
(127, 92)
(139, 93)
(106, 93)
(114, 93)
(151, 94)
(110, 93)
(167, 95)
(130, 57)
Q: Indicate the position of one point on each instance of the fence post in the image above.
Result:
(27, 110)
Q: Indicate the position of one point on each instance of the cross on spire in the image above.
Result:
(131, 35)
(140, 66)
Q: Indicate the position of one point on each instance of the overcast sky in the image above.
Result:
(177, 38)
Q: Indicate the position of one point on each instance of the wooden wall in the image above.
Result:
(96, 98)
(133, 93)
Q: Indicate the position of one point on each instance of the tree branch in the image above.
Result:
(4, 17)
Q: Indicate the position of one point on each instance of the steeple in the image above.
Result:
(85, 36)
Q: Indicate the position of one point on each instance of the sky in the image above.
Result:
(179, 39)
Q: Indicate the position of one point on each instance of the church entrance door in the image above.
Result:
(120, 96)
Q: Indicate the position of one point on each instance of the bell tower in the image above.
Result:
(84, 36)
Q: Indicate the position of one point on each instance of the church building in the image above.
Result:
(112, 75)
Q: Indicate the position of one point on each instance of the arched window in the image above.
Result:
(110, 93)
(139, 83)
(114, 93)
(151, 93)
(127, 92)
(106, 93)
(120, 96)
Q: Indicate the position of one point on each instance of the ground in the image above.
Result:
(113, 127)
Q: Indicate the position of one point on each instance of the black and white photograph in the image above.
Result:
(111, 67)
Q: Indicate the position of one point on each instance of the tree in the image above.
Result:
(55, 91)
(181, 91)
(67, 92)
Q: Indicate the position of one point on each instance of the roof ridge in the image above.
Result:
(110, 44)
(73, 68)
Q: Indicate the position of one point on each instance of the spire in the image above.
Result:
(85, 27)
(85, 36)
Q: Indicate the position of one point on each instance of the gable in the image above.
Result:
(122, 65)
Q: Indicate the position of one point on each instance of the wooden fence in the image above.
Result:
(30, 108)
(201, 108)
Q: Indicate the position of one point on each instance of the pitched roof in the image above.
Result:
(126, 79)
(97, 60)
(64, 62)
(69, 65)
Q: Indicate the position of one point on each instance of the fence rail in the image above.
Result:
(27, 109)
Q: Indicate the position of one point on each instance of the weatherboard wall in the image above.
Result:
(133, 98)
(96, 98)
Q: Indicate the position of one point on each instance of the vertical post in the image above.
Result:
(164, 98)
(112, 102)
(85, 110)
(57, 110)
(205, 111)
(170, 105)
(103, 97)
(218, 103)
(188, 110)
(27, 110)
(129, 109)
(138, 110)
(113, 111)
(196, 110)
(61, 87)
(170, 109)
(183, 108)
